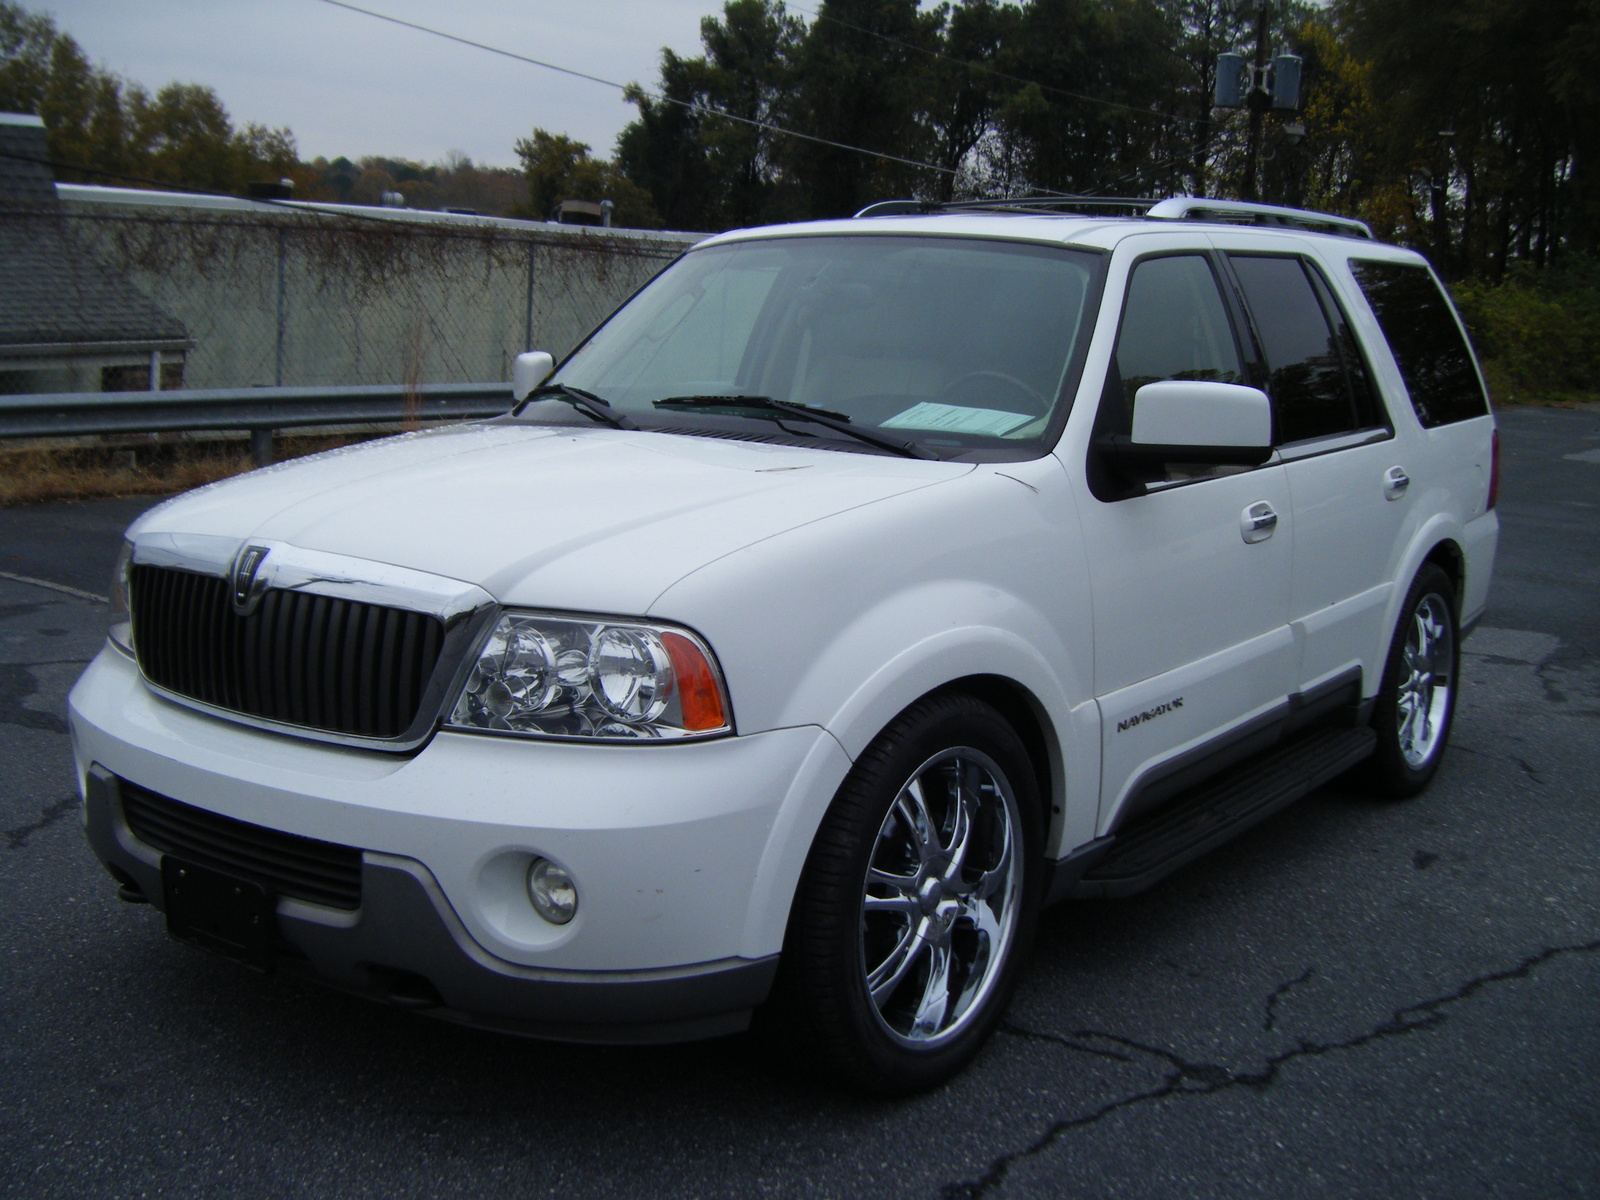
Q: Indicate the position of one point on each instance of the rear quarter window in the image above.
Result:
(1428, 345)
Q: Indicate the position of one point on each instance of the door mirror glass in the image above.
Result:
(528, 371)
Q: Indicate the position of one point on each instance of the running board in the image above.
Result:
(1154, 846)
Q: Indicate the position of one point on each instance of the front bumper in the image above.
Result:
(686, 858)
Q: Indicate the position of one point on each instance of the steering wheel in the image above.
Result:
(1032, 400)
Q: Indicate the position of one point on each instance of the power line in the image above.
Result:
(702, 109)
(1150, 169)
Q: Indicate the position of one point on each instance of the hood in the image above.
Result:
(603, 520)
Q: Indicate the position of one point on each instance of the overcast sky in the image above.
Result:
(349, 84)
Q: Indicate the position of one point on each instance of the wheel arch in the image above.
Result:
(1033, 726)
(1448, 555)
(790, 846)
(1440, 542)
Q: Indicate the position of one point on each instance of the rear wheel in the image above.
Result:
(918, 899)
(1417, 699)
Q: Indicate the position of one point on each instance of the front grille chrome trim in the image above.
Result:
(291, 569)
(465, 610)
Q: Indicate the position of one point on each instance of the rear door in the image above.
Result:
(1349, 479)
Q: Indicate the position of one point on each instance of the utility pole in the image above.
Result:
(1260, 86)
(1258, 101)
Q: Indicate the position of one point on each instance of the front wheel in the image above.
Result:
(918, 899)
(1417, 699)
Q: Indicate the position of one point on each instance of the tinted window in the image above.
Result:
(1309, 370)
(1369, 410)
(1427, 343)
(1174, 326)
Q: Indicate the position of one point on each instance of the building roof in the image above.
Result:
(52, 294)
(54, 297)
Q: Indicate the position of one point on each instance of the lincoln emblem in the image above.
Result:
(245, 594)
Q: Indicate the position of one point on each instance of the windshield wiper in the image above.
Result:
(838, 422)
(585, 402)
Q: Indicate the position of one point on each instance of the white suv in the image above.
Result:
(856, 589)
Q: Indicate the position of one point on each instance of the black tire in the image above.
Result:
(1416, 702)
(957, 926)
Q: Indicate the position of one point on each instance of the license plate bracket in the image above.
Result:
(236, 918)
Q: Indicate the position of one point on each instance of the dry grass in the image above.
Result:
(35, 476)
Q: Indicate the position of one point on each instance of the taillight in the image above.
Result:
(1494, 469)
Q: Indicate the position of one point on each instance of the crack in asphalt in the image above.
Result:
(1516, 760)
(1204, 1079)
(1270, 1015)
(17, 838)
(1009, 1026)
(1527, 769)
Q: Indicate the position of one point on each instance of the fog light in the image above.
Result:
(554, 895)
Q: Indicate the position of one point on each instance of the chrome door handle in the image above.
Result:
(1395, 483)
(1257, 522)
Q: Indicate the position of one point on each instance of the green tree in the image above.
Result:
(704, 170)
(102, 130)
(26, 42)
(968, 90)
(864, 78)
(1097, 116)
(559, 168)
(1490, 133)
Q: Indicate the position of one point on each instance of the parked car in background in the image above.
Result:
(857, 589)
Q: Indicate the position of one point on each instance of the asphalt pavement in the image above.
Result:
(1355, 999)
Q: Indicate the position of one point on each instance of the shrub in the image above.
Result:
(1537, 332)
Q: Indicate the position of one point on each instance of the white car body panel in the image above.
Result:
(520, 511)
(946, 584)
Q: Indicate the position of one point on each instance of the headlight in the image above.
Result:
(121, 627)
(558, 677)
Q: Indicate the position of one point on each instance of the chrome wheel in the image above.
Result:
(1425, 686)
(940, 902)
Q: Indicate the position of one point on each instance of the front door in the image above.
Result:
(1189, 572)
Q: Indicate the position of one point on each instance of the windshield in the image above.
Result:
(956, 345)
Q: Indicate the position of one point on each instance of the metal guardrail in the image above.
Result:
(260, 410)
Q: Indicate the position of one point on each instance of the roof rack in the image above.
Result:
(1241, 212)
(1020, 204)
(1179, 208)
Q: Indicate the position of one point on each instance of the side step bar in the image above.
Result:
(1156, 845)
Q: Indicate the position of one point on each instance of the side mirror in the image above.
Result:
(1194, 420)
(528, 371)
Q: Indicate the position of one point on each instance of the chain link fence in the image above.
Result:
(323, 296)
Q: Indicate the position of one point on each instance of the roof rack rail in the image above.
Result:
(1179, 208)
(1019, 204)
(901, 208)
(1241, 212)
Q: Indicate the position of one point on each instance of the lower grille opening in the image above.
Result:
(304, 868)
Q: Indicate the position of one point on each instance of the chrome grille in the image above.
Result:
(319, 662)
